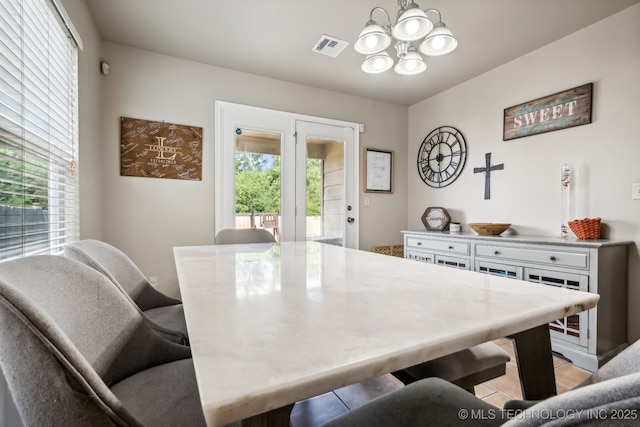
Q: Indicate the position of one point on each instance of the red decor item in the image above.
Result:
(588, 228)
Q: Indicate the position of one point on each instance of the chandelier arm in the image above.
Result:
(436, 11)
(381, 9)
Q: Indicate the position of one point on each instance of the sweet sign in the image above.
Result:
(561, 110)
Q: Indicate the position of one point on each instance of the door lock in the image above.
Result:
(350, 220)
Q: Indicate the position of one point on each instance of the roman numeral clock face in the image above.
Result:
(442, 156)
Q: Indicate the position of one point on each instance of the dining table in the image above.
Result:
(271, 324)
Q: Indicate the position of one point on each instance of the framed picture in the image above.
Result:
(378, 171)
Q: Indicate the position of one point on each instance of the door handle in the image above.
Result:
(350, 220)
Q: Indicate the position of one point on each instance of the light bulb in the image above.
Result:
(412, 26)
(371, 41)
(411, 64)
(378, 63)
(438, 43)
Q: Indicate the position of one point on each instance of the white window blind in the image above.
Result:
(38, 130)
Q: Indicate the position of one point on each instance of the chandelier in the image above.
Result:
(411, 25)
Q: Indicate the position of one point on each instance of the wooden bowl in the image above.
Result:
(489, 228)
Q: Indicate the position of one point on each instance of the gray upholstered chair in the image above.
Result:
(75, 352)
(611, 396)
(165, 314)
(466, 368)
(243, 235)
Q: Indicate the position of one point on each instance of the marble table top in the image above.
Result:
(272, 324)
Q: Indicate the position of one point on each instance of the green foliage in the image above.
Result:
(250, 161)
(21, 183)
(258, 184)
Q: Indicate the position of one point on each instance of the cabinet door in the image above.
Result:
(573, 329)
(504, 270)
(454, 262)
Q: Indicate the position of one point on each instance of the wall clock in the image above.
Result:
(442, 156)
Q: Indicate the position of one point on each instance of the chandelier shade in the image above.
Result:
(440, 41)
(410, 64)
(377, 63)
(372, 39)
(411, 25)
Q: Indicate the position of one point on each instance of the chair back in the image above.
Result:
(68, 334)
(125, 274)
(610, 395)
(612, 402)
(243, 235)
(624, 363)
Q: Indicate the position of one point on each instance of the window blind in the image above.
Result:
(38, 130)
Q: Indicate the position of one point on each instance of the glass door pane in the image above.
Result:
(325, 191)
(257, 180)
(327, 165)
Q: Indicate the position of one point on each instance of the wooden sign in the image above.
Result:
(160, 150)
(561, 110)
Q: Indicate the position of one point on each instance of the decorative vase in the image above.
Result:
(565, 199)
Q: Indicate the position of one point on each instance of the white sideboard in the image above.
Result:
(588, 339)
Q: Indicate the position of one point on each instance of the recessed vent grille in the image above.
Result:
(329, 46)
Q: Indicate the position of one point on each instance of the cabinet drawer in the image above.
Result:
(496, 269)
(420, 256)
(438, 245)
(550, 257)
(449, 261)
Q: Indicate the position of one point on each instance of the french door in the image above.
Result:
(294, 175)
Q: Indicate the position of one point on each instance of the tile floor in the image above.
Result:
(318, 410)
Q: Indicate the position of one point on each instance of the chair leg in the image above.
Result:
(404, 377)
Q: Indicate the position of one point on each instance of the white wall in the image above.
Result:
(146, 217)
(605, 153)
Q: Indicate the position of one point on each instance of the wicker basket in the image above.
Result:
(588, 228)
(384, 250)
(397, 250)
(394, 250)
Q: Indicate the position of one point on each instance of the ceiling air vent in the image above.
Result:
(329, 46)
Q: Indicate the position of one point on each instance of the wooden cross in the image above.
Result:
(487, 171)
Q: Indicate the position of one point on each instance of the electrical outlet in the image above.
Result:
(635, 192)
(367, 201)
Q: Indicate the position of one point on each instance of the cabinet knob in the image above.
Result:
(450, 247)
(552, 258)
(496, 252)
(419, 243)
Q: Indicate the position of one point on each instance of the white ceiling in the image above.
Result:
(274, 38)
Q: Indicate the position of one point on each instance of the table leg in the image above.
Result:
(280, 417)
(535, 363)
